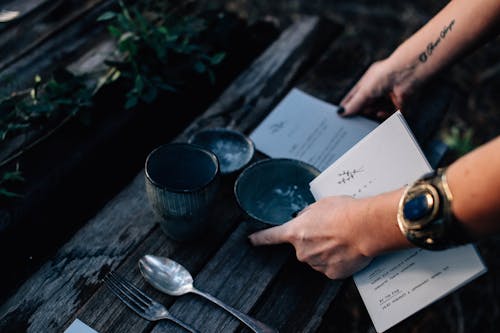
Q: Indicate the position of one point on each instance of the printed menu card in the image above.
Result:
(364, 160)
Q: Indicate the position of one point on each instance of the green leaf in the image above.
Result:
(114, 31)
(12, 176)
(131, 102)
(138, 85)
(126, 36)
(200, 67)
(115, 76)
(150, 95)
(6, 193)
(166, 87)
(217, 58)
(106, 16)
(211, 76)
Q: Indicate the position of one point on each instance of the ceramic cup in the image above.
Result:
(272, 191)
(181, 183)
(233, 149)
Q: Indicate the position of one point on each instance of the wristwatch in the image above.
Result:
(425, 216)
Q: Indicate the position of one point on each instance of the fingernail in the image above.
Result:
(340, 110)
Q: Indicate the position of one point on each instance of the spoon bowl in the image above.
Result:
(166, 275)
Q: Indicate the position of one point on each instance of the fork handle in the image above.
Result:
(253, 324)
(182, 324)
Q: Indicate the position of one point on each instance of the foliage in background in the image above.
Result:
(8, 178)
(460, 141)
(63, 96)
(158, 49)
(58, 98)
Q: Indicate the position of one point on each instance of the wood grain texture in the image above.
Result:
(26, 9)
(238, 274)
(51, 298)
(55, 292)
(253, 93)
(46, 41)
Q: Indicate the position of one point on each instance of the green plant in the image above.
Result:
(54, 100)
(158, 51)
(8, 178)
(43, 102)
(460, 141)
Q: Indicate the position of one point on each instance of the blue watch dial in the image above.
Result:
(418, 207)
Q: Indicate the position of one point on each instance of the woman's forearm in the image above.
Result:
(455, 30)
(474, 181)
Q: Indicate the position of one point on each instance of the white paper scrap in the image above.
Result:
(78, 326)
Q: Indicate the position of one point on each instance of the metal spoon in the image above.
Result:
(172, 278)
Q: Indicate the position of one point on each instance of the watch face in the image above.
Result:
(420, 206)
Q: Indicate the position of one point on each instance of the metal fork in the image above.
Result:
(139, 302)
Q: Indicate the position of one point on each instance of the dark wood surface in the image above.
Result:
(268, 283)
(64, 166)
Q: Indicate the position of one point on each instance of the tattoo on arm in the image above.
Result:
(433, 44)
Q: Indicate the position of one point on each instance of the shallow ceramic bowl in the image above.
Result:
(272, 191)
(233, 149)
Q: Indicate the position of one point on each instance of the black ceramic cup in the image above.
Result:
(181, 183)
(273, 191)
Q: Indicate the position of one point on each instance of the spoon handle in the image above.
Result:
(182, 324)
(253, 324)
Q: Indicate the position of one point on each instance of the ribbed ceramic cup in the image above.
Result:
(181, 183)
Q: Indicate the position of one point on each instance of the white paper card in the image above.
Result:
(308, 129)
(79, 327)
(397, 285)
(386, 159)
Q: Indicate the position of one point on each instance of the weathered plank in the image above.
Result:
(111, 150)
(47, 43)
(238, 275)
(253, 94)
(48, 300)
(105, 314)
(298, 298)
(25, 8)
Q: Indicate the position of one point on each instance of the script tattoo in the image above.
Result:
(432, 45)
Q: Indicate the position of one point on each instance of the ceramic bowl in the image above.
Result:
(272, 191)
(233, 149)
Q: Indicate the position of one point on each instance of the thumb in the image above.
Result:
(275, 235)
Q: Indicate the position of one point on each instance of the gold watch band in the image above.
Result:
(425, 216)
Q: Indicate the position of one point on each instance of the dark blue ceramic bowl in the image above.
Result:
(271, 191)
(232, 148)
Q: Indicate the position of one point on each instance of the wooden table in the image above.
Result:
(268, 282)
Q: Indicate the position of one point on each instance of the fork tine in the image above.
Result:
(130, 289)
(129, 302)
(133, 288)
(116, 287)
(139, 302)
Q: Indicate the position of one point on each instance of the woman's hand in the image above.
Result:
(392, 83)
(339, 235)
(328, 235)
(383, 89)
